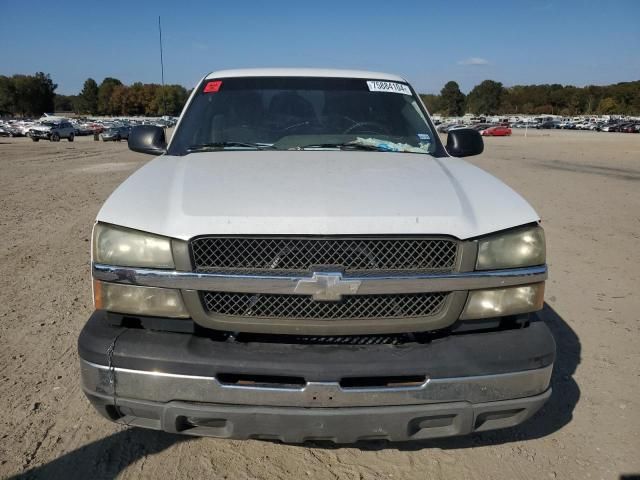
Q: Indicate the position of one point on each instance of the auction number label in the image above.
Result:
(392, 87)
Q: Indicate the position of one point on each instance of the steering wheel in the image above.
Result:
(376, 128)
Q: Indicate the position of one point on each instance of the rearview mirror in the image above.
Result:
(147, 139)
(464, 142)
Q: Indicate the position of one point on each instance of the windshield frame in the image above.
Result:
(438, 147)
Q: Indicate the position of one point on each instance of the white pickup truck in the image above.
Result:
(305, 260)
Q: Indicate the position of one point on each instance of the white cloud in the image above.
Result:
(474, 61)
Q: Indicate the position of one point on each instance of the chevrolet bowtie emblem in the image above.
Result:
(327, 286)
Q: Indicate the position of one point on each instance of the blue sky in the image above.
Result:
(429, 42)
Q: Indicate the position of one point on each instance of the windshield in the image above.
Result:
(294, 113)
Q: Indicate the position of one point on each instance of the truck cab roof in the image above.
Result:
(303, 72)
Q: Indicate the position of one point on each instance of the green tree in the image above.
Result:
(118, 101)
(67, 103)
(557, 97)
(135, 100)
(485, 98)
(34, 94)
(452, 99)
(432, 102)
(169, 100)
(104, 95)
(7, 95)
(608, 105)
(148, 94)
(89, 96)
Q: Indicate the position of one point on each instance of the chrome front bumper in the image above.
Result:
(166, 387)
(196, 385)
(318, 411)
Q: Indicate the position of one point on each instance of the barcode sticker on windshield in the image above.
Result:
(392, 87)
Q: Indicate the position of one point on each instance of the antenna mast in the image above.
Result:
(164, 105)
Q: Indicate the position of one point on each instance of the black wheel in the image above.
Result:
(71, 137)
(35, 139)
(118, 138)
(55, 137)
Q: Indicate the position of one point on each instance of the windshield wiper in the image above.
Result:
(213, 146)
(372, 145)
(342, 146)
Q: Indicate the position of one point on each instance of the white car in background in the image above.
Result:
(53, 130)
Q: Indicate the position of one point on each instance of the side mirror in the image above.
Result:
(464, 142)
(147, 139)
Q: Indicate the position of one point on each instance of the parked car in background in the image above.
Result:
(83, 129)
(497, 131)
(115, 134)
(481, 126)
(548, 124)
(587, 125)
(457, 127)
(52, 130)
(618, 127)
(611, 127)
(20, 128)
(526, 124)
(8, 130)
(630, 128)
(445, 127)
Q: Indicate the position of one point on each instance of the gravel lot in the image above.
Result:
(586, 187)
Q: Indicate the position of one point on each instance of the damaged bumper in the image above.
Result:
(294, 393)
(39, 134)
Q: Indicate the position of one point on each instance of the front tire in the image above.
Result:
(71, 137)
(35, 139)
(55, 137)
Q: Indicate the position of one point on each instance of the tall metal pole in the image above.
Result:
(164, 104)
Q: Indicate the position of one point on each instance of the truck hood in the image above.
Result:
(314, 192)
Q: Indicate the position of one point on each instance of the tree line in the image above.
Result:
(33, 95)
(27, 95)
(490, 98)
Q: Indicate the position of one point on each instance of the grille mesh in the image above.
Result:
(380, 339)
(302, 255)
(302, 306)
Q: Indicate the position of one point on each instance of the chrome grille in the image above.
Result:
(304, 307)
(302, 255)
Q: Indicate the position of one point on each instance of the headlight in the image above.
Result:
(130, 248)
(162, 302)
(499, 302)
(519, 248)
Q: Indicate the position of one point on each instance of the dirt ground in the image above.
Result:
(586, 187)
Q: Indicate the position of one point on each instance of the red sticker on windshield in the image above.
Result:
(212, 87)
